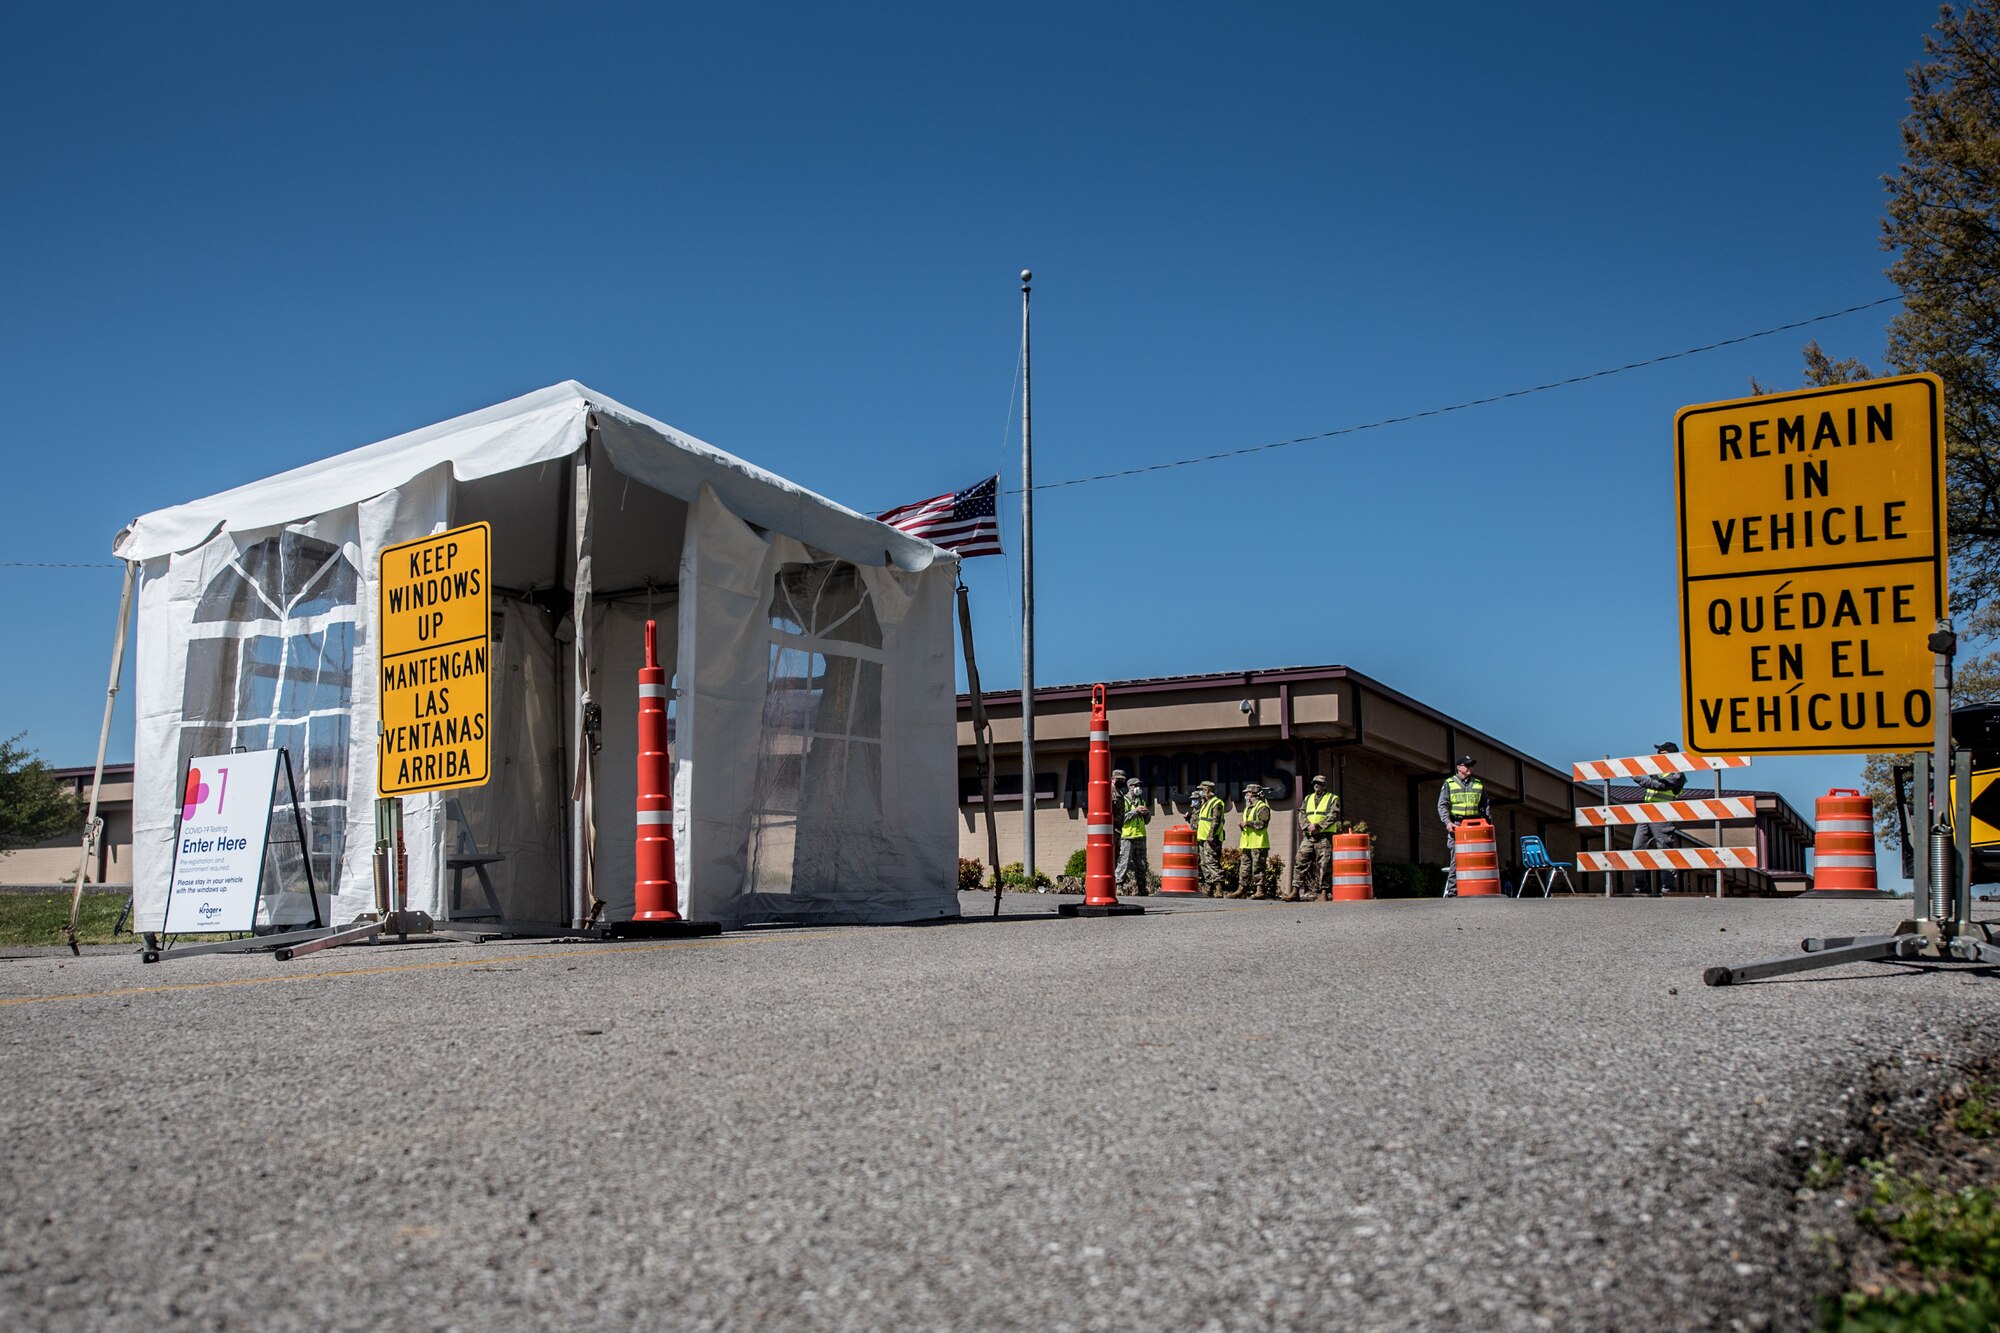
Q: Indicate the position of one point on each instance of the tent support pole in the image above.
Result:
(91, 830)
(582, 893)
(982, 735)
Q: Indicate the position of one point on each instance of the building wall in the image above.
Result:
(55, 861)
(1386, 756)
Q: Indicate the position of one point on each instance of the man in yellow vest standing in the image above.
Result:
(1253, 845)
(1135, 811)
(1461, 798)
(1315, 861)
(1205, 813)
(1659, 787)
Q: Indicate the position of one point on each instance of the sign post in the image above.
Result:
(1814, 617)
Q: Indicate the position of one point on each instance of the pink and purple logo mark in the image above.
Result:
(197, 791)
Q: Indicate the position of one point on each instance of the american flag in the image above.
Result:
(966, 521)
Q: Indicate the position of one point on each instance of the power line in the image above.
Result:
(1303, 439)
(1458, 407)
(57, 564)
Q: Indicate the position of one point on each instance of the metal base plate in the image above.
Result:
(1913, 942)
(273, 941)
(1109, 909)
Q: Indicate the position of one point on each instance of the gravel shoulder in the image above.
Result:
(1479, 1115)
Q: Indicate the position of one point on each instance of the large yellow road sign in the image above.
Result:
(1812, 562)
(436, 619)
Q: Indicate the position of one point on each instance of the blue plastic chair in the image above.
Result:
(1539, 868)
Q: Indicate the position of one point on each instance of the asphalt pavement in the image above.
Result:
(1427, 1114)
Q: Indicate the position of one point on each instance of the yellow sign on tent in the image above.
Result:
(436, 628)
(1812, 568)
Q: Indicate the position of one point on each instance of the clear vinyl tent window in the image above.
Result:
(271, 663)
(819, 745)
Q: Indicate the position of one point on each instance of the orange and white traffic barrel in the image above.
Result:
(1476, 857)
(1844, 842)
(1353, 878)
(1177, 867)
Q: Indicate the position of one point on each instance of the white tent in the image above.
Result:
(814, 729)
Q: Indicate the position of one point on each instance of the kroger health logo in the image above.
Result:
(198, 791)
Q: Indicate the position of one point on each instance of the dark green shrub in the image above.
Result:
(1015, 876)
(1274, 870)
(1077, 865)
(1404, 879)
(971, 875)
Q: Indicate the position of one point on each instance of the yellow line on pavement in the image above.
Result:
(487, 961)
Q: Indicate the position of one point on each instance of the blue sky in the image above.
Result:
(240, 238)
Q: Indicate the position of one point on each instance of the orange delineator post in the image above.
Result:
(1844, 842)
(1177, 865)
(655, 894)
(1100, 833)
(1353, 878)
(1477, 858)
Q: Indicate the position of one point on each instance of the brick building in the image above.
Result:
(1383, 752)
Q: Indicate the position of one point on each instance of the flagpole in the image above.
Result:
(1027, 604)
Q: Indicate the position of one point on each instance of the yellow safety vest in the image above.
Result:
(1256, 838)
(1655, 794)
(1135, 820)
(1465, 797)
(1321, 807)
(1207, 818)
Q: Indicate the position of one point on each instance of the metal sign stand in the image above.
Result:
(1940, 928)
(392, 915)
(153, 952)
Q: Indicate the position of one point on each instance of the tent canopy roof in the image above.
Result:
(551, 423)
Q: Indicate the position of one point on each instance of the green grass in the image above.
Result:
(1979, 1116)
(1950, 1236)
(39, 918)
(1970, 1306)
(1940, 1231)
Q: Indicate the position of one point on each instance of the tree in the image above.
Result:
(34, 804)
(1943, 226)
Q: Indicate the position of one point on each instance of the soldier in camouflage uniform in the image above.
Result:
(1134, 811)
(1253, 846)
(1316, 814)
(1205, 814)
